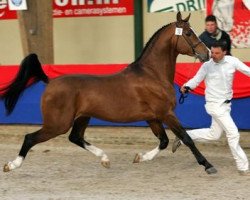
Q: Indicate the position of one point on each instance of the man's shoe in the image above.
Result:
(244, 173)
(176, 144)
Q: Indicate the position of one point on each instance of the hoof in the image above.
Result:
(211, 170)
(137, 158)
(105, 164)
(6, 168)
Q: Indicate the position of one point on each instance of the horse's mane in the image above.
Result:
(151, 41)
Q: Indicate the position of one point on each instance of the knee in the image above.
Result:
(216, 136)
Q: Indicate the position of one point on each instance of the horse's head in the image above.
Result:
(187, 41)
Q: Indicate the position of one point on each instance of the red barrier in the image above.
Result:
(184, 71)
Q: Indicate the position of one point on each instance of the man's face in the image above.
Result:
(217, 54)
(211, 27)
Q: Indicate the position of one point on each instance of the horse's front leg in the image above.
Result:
(174, 124)
(159, 131)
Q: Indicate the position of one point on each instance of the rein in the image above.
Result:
(187, 90)
(184, 95)
(193, 46)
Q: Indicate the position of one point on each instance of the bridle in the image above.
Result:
(193, 46)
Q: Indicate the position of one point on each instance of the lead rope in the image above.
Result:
(187, 89)
(185, 95)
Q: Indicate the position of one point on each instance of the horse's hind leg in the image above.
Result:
(159, 131)
(30, 140)
(77, 137)
(181, 133)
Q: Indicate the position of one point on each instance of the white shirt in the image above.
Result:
(218, 78)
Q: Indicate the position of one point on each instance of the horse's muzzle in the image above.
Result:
(203, 57)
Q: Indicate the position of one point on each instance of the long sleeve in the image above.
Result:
(198, 78)
(218, 78)
(242, 67)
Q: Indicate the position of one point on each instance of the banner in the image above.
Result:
(17, 4)
(175, 5)
(79, 8)
(5, 13)
(233, 16)
(87, 8)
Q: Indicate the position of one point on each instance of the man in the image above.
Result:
(212, 34)
(218, 74)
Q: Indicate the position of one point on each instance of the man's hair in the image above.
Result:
(221, 44)
(211, 18)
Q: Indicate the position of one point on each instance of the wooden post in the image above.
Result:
(36, 29)
(138, 27)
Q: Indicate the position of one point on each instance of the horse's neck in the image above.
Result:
(160, 56)
(160, 65)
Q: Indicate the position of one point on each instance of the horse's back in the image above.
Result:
(86, 83)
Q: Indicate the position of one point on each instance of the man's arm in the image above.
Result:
(196, 80)
(242, 67)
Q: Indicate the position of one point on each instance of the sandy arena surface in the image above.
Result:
(58, 169)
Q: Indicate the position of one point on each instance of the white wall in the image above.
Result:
(94, 40)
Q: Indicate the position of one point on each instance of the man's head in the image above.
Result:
(218, 50)
(211, 24)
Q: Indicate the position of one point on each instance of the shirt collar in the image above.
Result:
(223, 60)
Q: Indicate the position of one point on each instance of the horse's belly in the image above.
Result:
(122, 115)
(119, 119)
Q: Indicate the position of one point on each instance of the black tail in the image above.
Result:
(30, 68)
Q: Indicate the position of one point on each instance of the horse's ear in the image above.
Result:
(187, 18)
(178, 16)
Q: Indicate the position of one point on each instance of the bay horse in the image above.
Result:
(143, 91)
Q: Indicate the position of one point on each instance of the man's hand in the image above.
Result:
(185, 89)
